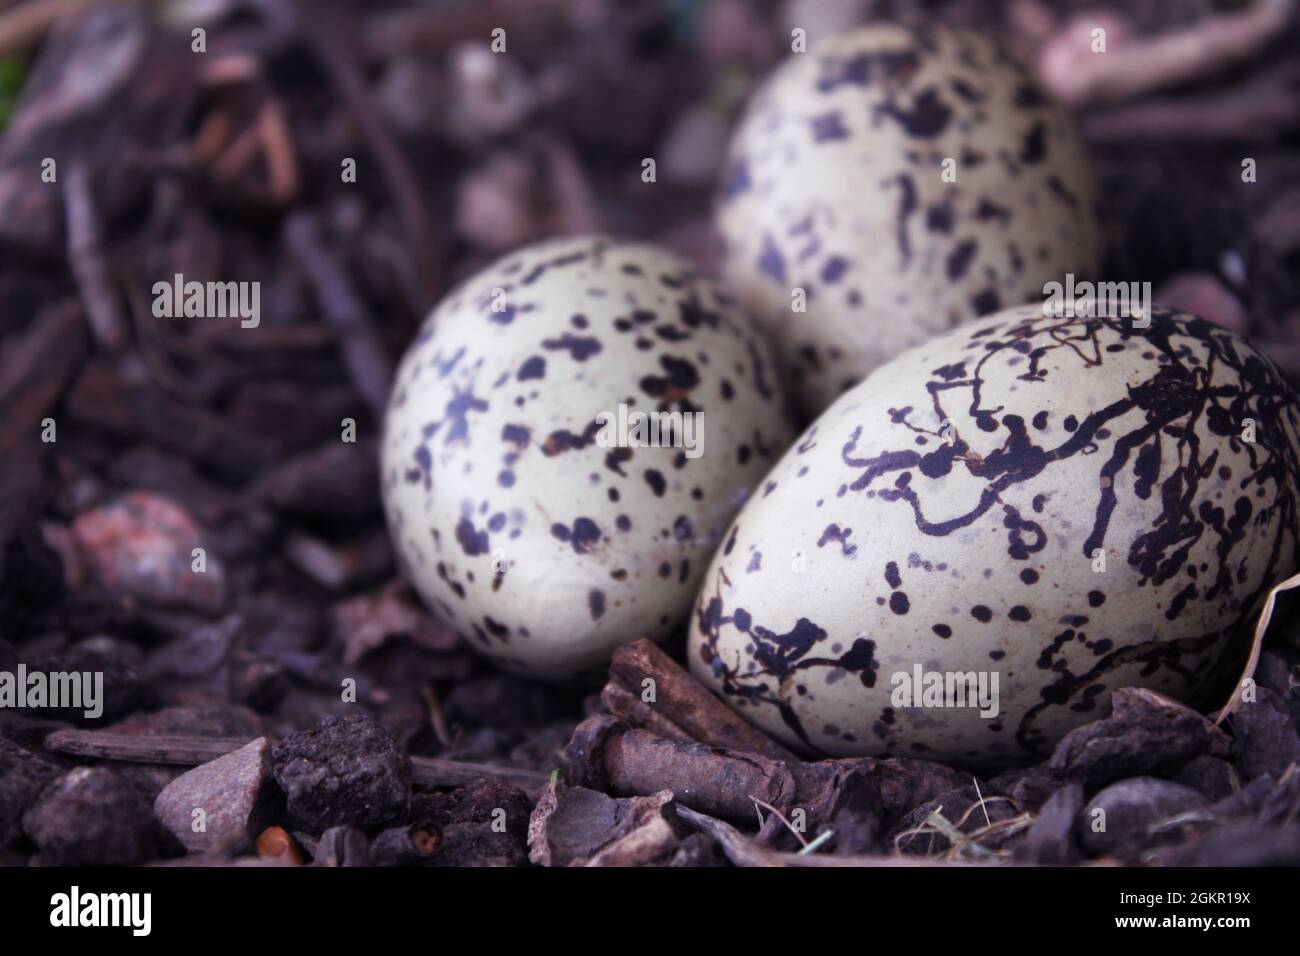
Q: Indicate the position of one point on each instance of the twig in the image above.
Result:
(437, 719)
(331, 47)
(680, 702)
(277, 142)
(156, 351)
(86, 257)
(638, 713)
(190, 751)
(575, 209)
(236, 155)
(26, 25)
(605, 754)
(39, 363)
(230, 69)
(182, 751)
(429, 30)
(268, 136)
(435, 772)
(363, 354)
(1078, 75)
(1262, 110)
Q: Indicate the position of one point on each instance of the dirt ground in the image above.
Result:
(233, 162)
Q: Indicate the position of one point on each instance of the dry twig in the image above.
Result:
(363, 353)
(1075, 73)
(24, 26)
(330, 46)
(190, 751)
(1260, 110)
(86, 257)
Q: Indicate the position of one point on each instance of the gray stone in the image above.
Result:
(1147, 733)
(233, 792)
(1267, 741)
(23, 775)
(1242, 843)
(1051, 838)
(1131, 807)
(210, 719)
(1211, 776)
(1245, 803)
(92, 817)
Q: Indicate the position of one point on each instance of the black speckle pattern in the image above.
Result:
(1067, 439)
(835, 185)
(544, 547)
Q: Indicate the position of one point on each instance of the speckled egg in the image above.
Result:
(905, 180)
(1048, 508)
(526, 516)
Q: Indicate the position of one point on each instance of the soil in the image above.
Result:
(130, 440)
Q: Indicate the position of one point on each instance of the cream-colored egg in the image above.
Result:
(1039, 509)
(526, 509)
(891, 183)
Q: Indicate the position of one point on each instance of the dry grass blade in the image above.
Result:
(816, 842)
(962, 844)
(743, 851)
(1261, 627)
(780, 816)
(987, 821)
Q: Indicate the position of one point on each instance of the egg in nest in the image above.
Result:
(891, 183)
(1047, 508)
(530, 511)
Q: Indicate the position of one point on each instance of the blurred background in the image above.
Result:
(357, 159)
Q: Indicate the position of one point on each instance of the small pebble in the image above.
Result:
(1051, 839)
(141, 547)
(233, 794)
(1129, 808)
(347, 772)
(92, 817)
(1266, 739)
(1211, 776)
(1243, 843)
(23, 775)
